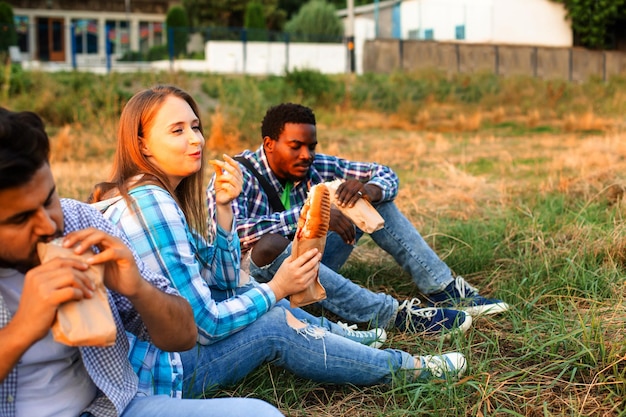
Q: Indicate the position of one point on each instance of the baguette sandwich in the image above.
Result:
(311, 233)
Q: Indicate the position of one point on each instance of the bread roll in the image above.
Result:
(315, 214)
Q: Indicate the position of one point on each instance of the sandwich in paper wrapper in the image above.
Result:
(88, 322)
(362, 214)
(311, 233)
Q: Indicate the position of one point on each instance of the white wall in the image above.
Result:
(271, 57)
(535, 22)
(526, 22)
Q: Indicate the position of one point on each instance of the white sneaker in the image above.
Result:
(372, 338)
(449, 365)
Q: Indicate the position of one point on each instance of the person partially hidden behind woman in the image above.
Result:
(156, 197)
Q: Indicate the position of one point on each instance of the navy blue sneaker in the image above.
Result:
(431, 321)
(462, 296)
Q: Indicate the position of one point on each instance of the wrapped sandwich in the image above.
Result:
(362, 214)
(88, 322)
(311, 233)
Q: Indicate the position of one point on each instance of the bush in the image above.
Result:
(312, 86)
(315, 22)
(157, 53)
(254, 22)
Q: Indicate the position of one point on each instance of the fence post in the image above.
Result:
(401, 53)
(286, 53)
(108, 47)
(535, 58)
(496, 59)
(73, 43)
(244, 42)
(571, 63)
(170, 46)
(457, 50)
(604, 65)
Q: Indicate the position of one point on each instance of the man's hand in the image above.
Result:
(120, 270)
(46, 287)
(168, 318)
(350, 191)
(342, 225)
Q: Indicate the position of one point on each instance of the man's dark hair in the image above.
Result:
(275, 118)
(24, 147)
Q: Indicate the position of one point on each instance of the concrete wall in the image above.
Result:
(574, 64)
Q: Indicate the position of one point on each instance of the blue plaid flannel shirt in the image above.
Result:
(160, 234)
(108, 367)
(254, 214)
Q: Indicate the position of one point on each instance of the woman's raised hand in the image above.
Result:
(228, 180)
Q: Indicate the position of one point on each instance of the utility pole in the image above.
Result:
(349, 30)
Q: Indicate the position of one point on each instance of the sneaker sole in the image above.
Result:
(462, 329)
(447, 333)
(381, 339)
(485, 310)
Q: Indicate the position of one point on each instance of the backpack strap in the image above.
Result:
(271, 193)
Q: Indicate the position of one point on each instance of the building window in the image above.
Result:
(429, 34)
(21, 27)
(459, 32)
(118, 36)
(86, 36)
(150, 34)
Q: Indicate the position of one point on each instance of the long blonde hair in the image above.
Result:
(129, 162)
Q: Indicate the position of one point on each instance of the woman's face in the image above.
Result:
(174, 142)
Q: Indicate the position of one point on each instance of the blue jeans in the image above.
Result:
(344, 298)
(310, 352)
(164, 406)
(403, 242)
(354, 303)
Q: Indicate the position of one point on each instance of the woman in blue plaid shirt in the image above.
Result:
(156, 198)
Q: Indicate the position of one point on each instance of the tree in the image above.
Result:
(231, 13)
(254, 21)
(316, 21)
(592, 20)
(178, 29)
(8, 35)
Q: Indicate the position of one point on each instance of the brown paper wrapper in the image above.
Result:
(88, 322)
(316, 291)
(362, 214)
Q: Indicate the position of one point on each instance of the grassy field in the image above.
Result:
(527, 204)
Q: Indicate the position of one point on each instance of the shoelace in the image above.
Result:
(351, 329)
(464, 288)
(412, 309)
(436, 365)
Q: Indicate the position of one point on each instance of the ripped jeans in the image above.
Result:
(311, 352)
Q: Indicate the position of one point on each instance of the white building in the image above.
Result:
(518, 22)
